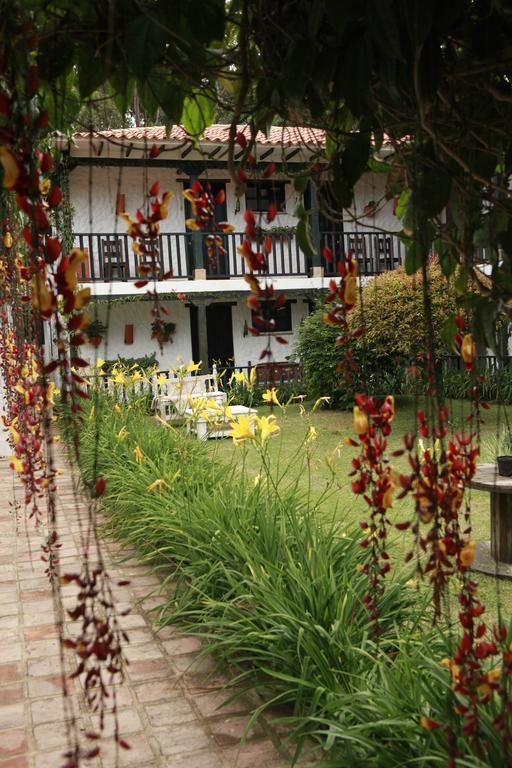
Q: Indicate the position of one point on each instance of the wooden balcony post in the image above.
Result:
(317, 266)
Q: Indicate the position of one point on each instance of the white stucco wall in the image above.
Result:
(371, 186)
(246, 349)
(138, 314)
(93, 192)
(249, 348)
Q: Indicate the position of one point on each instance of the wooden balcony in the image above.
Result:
(111, 258)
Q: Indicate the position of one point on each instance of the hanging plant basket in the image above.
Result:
(163, 332)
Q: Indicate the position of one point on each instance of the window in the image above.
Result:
(282, 317)
(259, 195)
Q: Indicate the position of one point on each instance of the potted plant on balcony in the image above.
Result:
(163, 332)
(504, 459)
(95, 332)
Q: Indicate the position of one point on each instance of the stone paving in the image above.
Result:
(170, 706)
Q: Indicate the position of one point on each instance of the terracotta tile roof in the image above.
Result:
(214, 134)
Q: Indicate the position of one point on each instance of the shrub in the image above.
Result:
(319, 357)
(394, 318)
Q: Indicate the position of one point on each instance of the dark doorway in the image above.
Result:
(219, 266)
(219, 329)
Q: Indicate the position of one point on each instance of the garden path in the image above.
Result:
(168, 710)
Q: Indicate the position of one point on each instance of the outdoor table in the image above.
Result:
(219, 424)
(495, 556)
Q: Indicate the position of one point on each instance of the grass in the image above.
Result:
(329, 481)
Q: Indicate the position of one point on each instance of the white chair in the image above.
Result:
(171, 398)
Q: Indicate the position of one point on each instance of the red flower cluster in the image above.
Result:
(375, 480)
(144, 232)
(203, 203)
(340, 300)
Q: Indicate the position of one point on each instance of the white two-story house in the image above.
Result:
(113, 170)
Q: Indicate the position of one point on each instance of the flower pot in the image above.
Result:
(504, 465)
(95, 340)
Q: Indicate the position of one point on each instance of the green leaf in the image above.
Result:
(303, 234)
(145, 40)
(448, 331)
(355, 156)
(92, 72)
(413, 257)
(447, 258)
(403, 202)
(300, 183)
(198, 113)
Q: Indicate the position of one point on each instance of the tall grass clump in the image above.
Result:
(273, 588)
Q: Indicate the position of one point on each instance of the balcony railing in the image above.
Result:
(110, 256)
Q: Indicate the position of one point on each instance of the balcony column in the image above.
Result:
(198, 268)
(202, 335)
(318, 268)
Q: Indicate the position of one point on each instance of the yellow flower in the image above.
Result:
(16, 464)
(162, 379)
(136, 376)
(193, 367)
(270, 396)
(252, 376)
(242, 429)
(467, 554)
(10, 167)
(266, 426)
(117, 408)
(122, 434)
(100, 363)
(138, 454)
(156, 485)
(360, 421)
(350, 292)
(312, 434)
(118, 378)
(468, 349)
(320, 400)
(8, 240)
(238, 376)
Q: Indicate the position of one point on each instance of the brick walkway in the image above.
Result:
(169, 711)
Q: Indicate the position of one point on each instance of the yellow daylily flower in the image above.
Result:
(266, 426)
(193, 367)
(138, 454)
(242, 429)
(118, 378)
(117, 408)
(122, 434)
(270, 396)
(156, 485)
(252, 376)
(136, 376)
(312, 434)
(238, 376)
(100, 362)
(321, 400)
(162, 379)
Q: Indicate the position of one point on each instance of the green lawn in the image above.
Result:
(326, 477)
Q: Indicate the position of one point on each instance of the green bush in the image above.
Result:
(392, 305)
(319, 357)
(145, 363)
